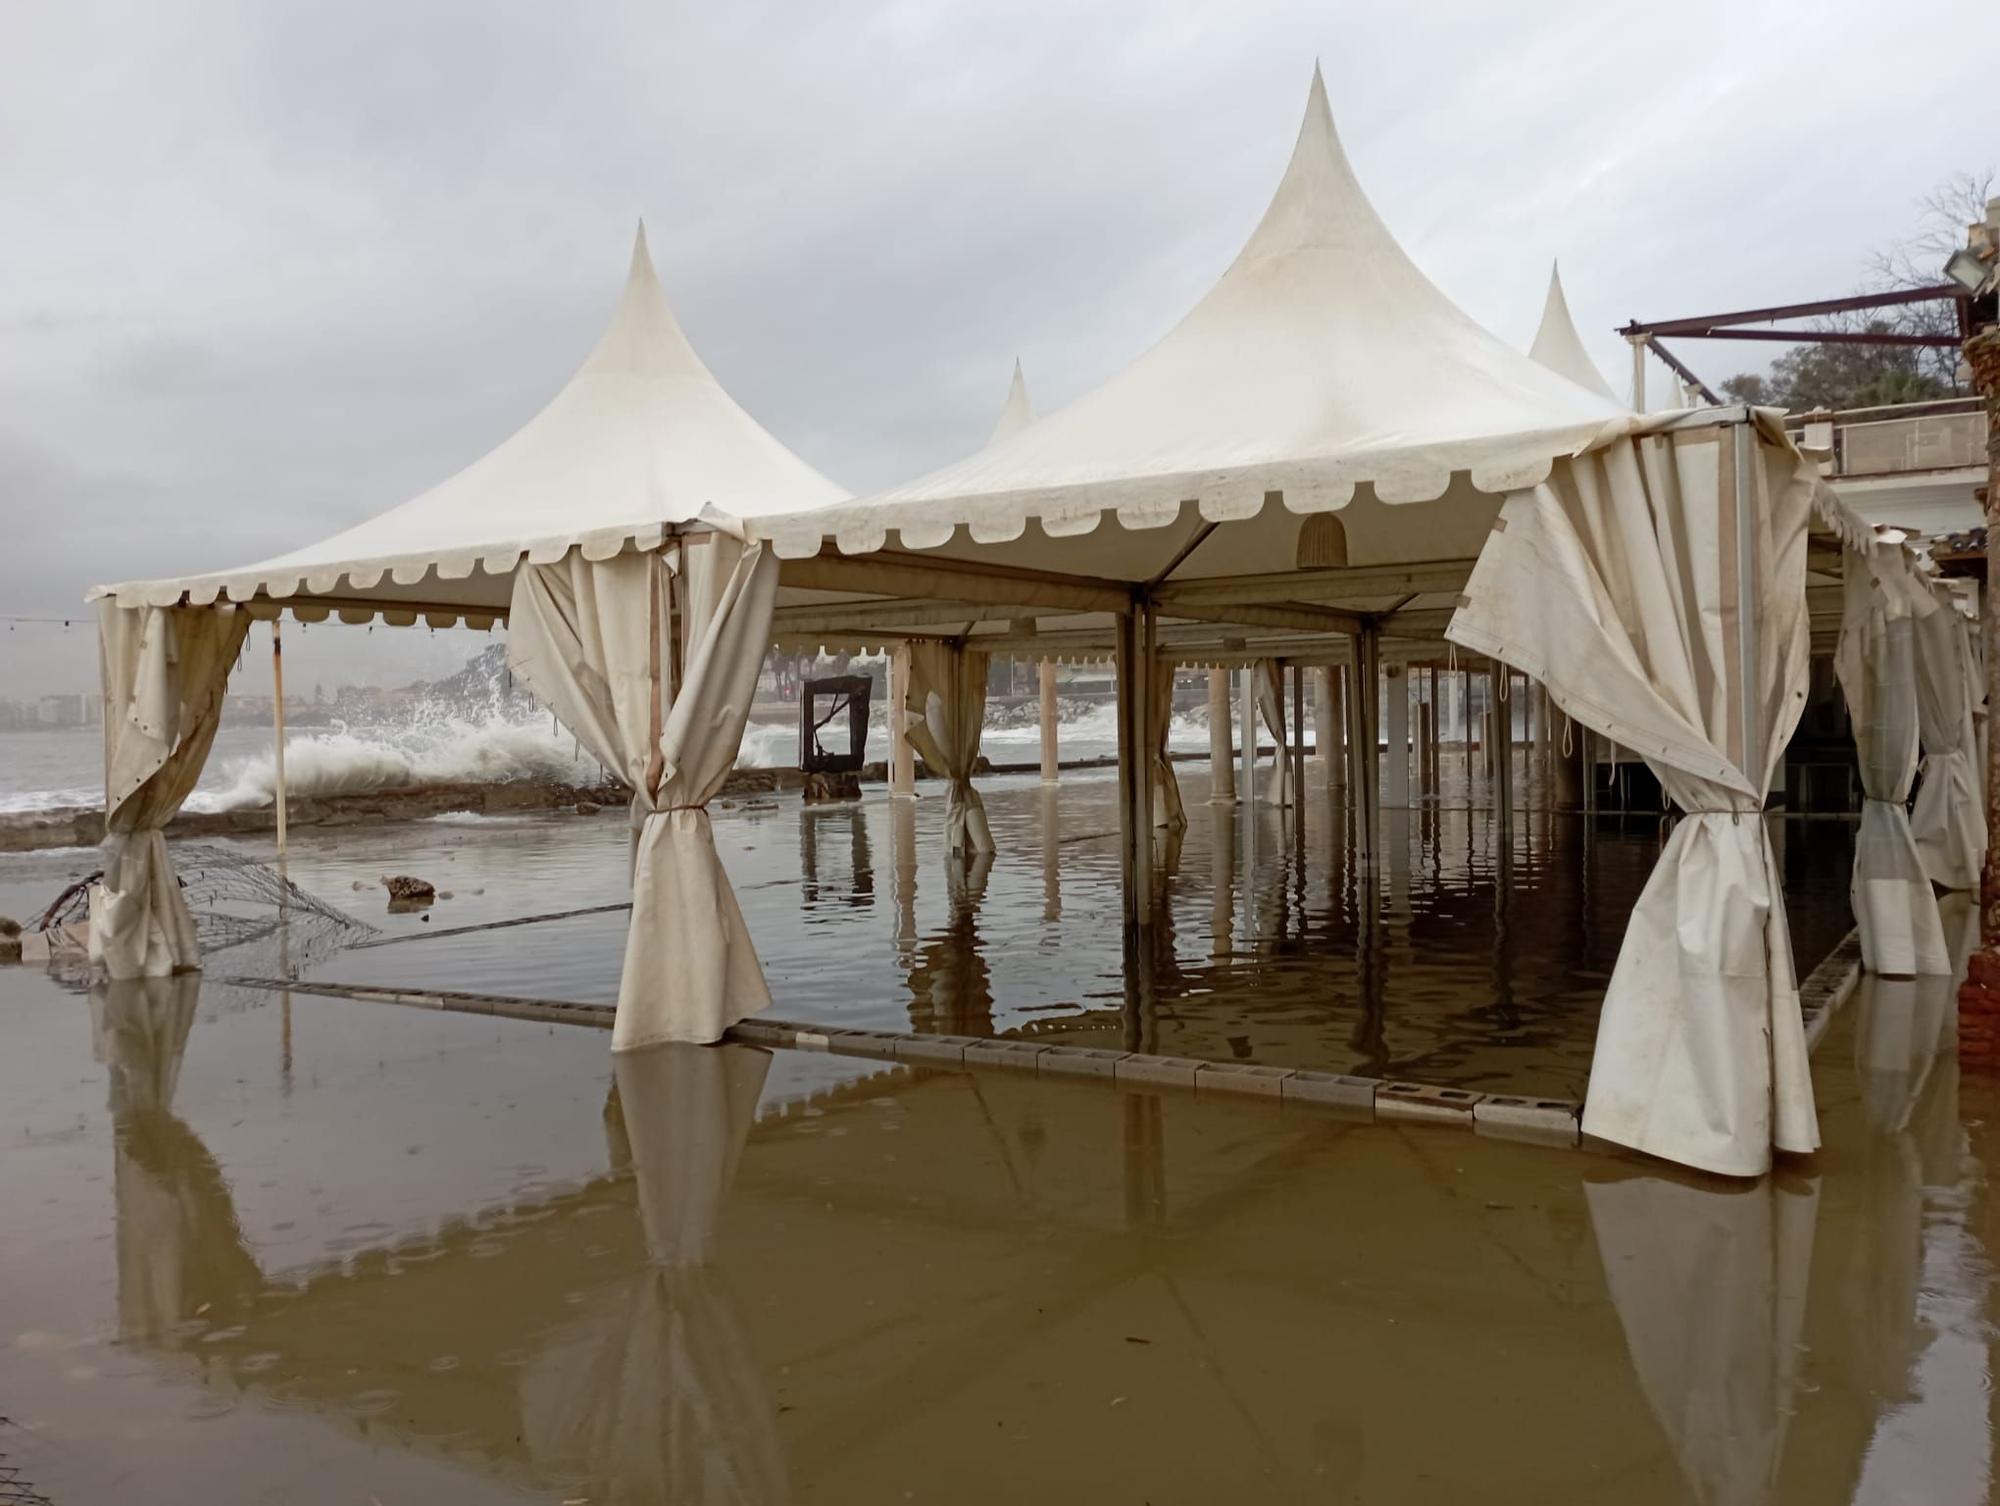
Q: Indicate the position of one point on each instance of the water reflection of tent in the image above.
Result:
(577, 1338)
(1728, 1298)
(180, 1247)
(657, 1394)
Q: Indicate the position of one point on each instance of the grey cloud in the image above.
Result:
(269, 268)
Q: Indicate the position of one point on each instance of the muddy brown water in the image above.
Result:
(1271, 946)
(305, 1249)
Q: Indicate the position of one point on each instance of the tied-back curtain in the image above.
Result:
(1876, 662)
(587, 637)
(1948, 822)
(1271, 709)
(164, 670)
(944, 716)
(590, 638)
(1615, 584)
(1167, 808)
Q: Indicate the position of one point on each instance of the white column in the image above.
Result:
(1328, 737)
(902, 757)
(1050, 752)
(1221, 742)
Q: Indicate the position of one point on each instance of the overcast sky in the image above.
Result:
(267, 268)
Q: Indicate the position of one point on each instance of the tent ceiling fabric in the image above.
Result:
(642, 438)
(1322, 361)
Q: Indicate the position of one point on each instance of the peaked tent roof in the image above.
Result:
(1017, 412)
(1322, 359)
(1559, 347)
(643, 436)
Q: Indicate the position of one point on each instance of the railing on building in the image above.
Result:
(1948, 434)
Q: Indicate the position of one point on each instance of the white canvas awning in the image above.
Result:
(642, 438)
(1323, 371)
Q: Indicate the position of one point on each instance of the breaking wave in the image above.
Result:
(430, 748)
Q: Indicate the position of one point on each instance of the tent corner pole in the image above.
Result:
(1746, 601)
(278, 797)
(902, 757)
(1045, 675)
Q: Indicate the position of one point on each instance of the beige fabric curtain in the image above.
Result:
(1948, 822)
(589, 638)
(1615, 583)
(1877, 664)
(1167, 808)
(1271, 710)
(164, 670)
(662, 1398)
(944, 716)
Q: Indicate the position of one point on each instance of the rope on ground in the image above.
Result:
(491, 925)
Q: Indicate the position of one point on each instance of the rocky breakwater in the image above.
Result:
(26, 831)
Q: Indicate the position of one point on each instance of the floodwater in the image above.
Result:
(1270, 947)
(319, 1251)
(280, 1247)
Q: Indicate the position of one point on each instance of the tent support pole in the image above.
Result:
(278, 739)
(1396, 787)
(1363, 710)
(1746, 601)
(902, 757)
(1046, 686)
(1299, 750)
(1246, 776)
(1136, 645)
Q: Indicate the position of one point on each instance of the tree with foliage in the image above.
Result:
(1847, 375)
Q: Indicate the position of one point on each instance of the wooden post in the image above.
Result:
(902, 757)
(278, 738)
(1051, 764)
(1221, 742)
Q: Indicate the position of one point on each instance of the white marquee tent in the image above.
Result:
(1324, 454)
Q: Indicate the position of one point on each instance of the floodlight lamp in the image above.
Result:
(1969, 270)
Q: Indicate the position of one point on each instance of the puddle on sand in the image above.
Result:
(1270, 948)
(718, 1274)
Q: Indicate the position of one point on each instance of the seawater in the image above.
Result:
(1456, 960)
(440, 743)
